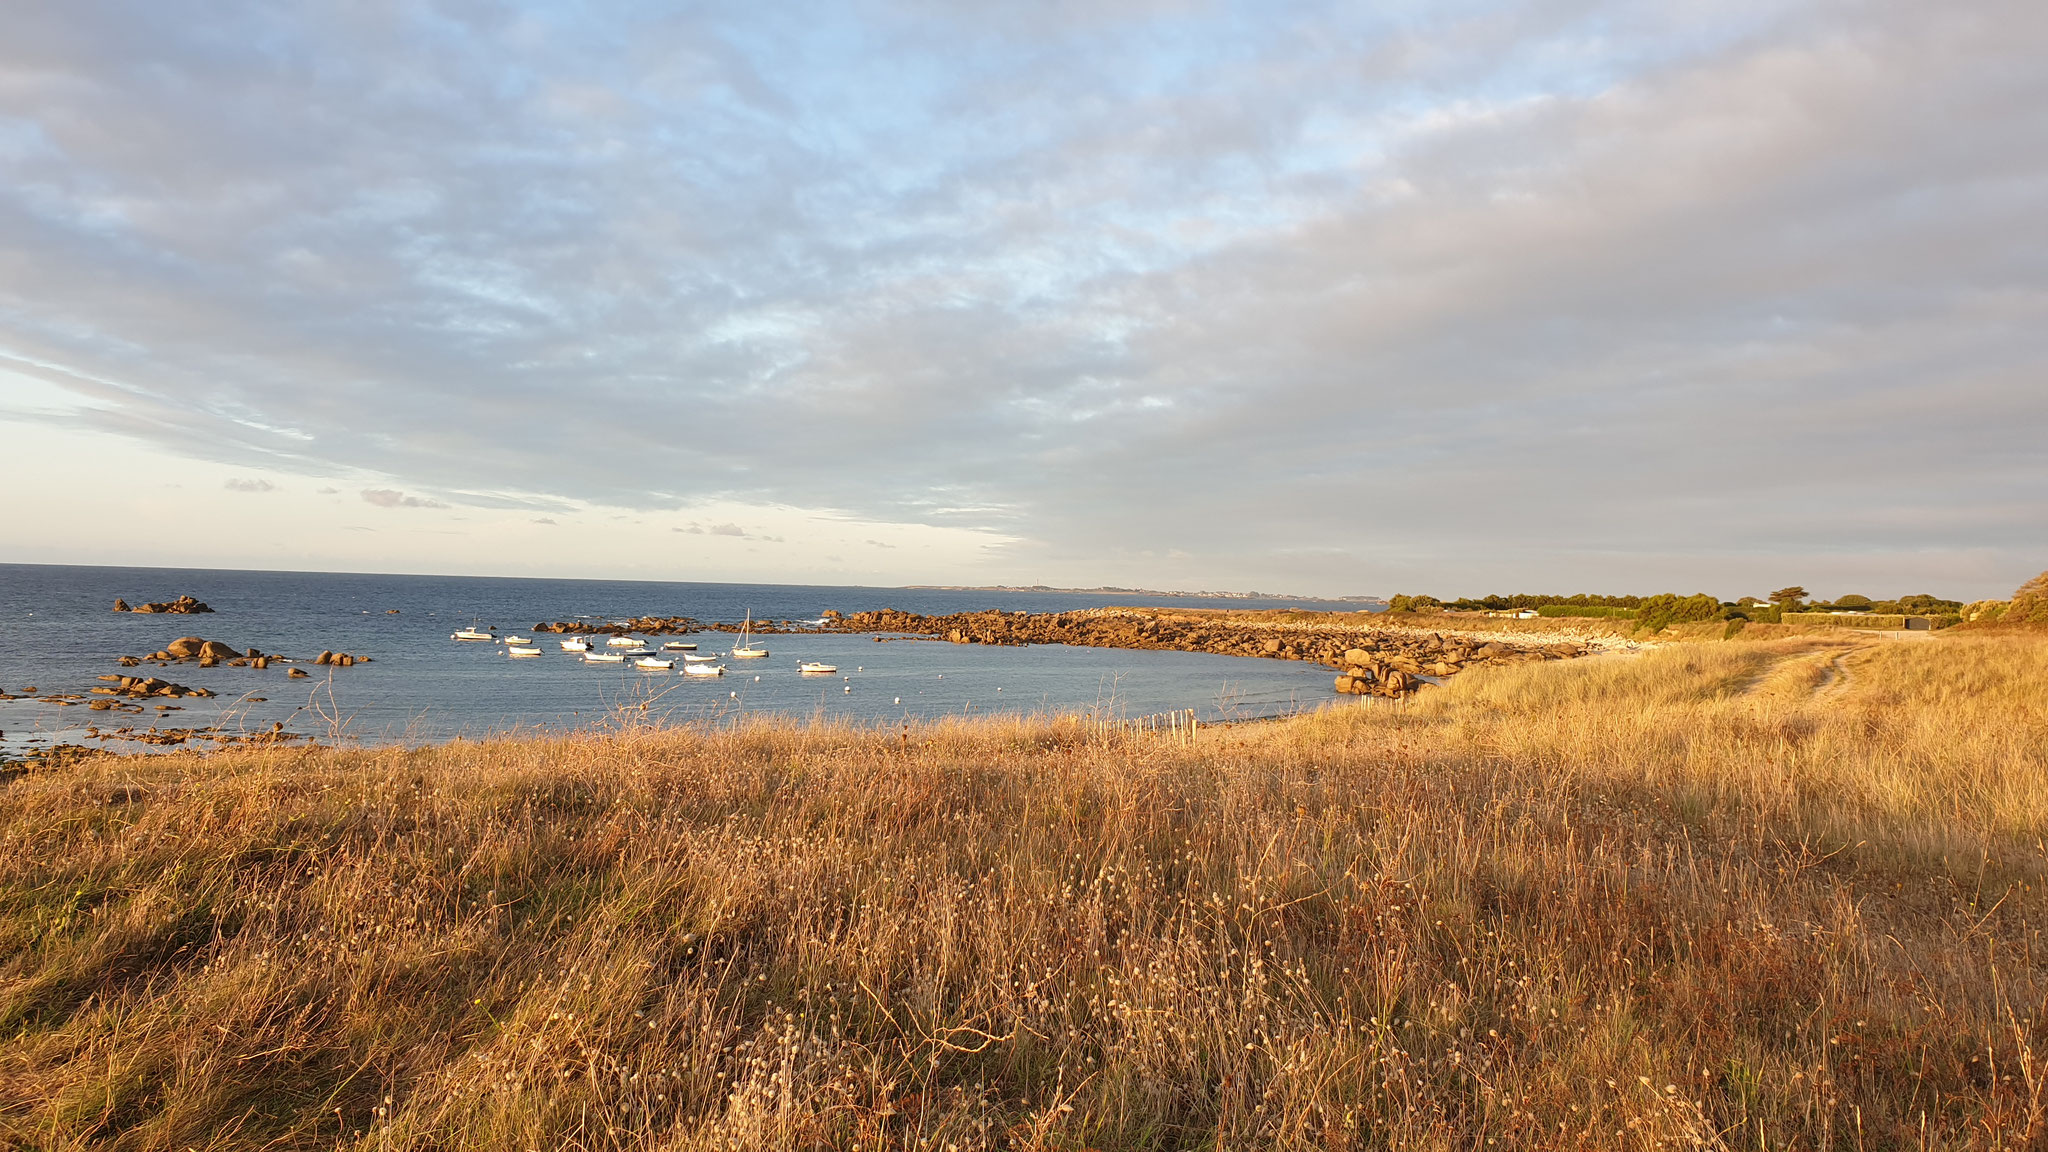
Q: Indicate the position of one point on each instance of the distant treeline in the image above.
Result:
(1654, 613)
(1529, 600)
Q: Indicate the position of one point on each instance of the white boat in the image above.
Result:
(517, 651)
(575, 646)
(744, 650)
(517, 640)
(603, 658)
(693, 658)
(814, 666)
(624, 642)
(655, 663)
(471, 634)
(678, 646)
(704, 669)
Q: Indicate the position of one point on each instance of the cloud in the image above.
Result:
(238, 484)
(727, 530)
(391, 498)
(330, 491)
(542, 520)
(1581, 294)
(879, 544)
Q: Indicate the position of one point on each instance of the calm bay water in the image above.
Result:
(57, 633)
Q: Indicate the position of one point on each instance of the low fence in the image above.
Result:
(1848, 620)
(1180, 725)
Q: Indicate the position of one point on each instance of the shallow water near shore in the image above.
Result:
(58, 633)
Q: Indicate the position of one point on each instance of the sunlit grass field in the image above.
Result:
(1753, 895)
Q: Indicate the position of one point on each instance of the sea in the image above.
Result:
(58, 634)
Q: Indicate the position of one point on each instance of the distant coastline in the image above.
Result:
(1111, 590)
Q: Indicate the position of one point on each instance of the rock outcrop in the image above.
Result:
(182, 606)
(136, 687)
(208, 653)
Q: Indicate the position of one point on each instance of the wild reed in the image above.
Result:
(1776, 895)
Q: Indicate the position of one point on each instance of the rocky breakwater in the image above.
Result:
(182, 606)
(649, 625)
(1378, 661)
(670, 626)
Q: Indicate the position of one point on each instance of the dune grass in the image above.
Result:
(1780, 895)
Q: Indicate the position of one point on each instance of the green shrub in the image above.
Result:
(1667, 608)
(1557, 610)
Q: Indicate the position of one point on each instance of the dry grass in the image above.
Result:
(1777, 895)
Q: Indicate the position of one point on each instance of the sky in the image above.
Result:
(1339, 299)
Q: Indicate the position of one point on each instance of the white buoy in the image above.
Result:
(899, 699)
(757, 679)
(849, 687)
(735, 695)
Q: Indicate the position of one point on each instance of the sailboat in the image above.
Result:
(747, 651)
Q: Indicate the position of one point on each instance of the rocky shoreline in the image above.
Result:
(1376, 661)
(1373, 658)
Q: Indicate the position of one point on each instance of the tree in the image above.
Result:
(1854, 601)
(1786, 597)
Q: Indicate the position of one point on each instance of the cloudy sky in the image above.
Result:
(1324, 298)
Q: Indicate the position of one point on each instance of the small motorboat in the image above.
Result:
(604, 658)
(704, 669)
(575, 646)
(517, 640)
(693, 659)
(625, 642)
(515, 650)
(471, 634)
(643, 650)
(654, 663)
(813, 666)
(678, 646)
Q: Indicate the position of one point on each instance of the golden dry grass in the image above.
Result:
(1779, 895)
